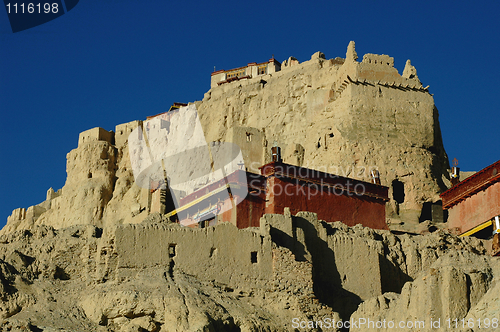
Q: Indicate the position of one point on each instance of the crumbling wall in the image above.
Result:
(447, 290)
(346, 268)
(355, 264)
(122, 132)
(224, 254)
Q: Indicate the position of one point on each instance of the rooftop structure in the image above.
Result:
(253, 69)
(280, 186)
(474, 203)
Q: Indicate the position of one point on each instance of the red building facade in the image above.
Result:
(280, 185)
(473, 204)
(332, 197)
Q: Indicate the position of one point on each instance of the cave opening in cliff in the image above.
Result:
(398, 191)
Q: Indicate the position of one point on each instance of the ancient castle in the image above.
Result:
(321, 123)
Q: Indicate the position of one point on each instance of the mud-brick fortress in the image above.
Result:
(104, 252)
(339, 116)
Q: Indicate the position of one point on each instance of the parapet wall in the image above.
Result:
(381, 59)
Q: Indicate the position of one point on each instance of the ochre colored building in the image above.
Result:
(474, 203)
(280, 185)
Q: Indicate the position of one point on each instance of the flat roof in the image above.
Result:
(324, 179)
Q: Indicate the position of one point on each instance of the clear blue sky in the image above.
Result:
(109, 62)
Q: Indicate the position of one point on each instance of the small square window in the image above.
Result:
(253, 257)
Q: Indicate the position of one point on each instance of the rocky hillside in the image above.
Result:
(83, 278)
(94, 257)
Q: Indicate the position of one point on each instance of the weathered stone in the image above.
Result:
(93, 256)
(341, 117)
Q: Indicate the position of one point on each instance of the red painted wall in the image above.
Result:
(330, 206)
(300, 191)
(249, 211)
(476, 209)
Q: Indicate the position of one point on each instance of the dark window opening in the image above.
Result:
(213, 251)
(330, 134)
(89, 175)
(253, 257)
(171, 250)
(398, 191)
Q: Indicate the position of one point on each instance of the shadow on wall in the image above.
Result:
(306, 245)
(339, 277)
(433, 212)
(326, 278)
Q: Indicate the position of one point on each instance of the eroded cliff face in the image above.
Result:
(99, 188)
(157, 276)
(94, 257)
(340, 116)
